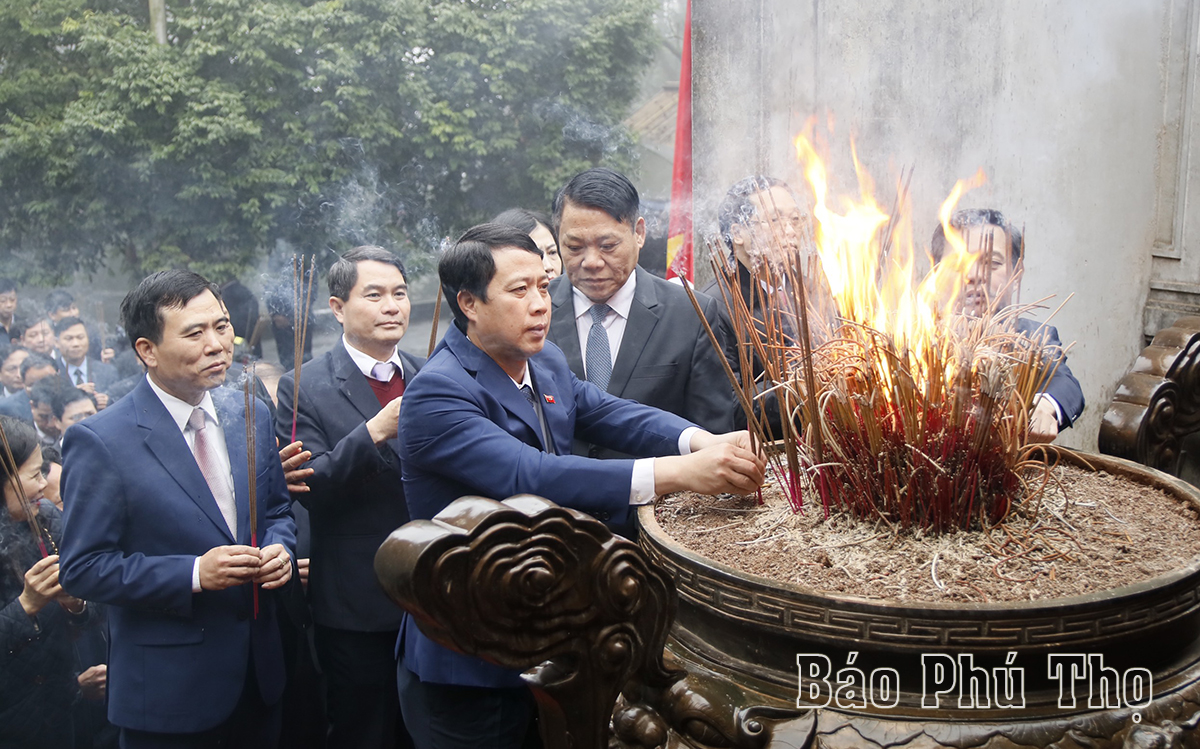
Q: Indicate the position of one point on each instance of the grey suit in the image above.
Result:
(665, 359)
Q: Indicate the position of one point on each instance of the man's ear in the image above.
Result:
(639, 232)
(468, 303)
(337, 304)
(147, 352)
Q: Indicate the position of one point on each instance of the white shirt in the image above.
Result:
(366, 363)
(641, 484)
(82, 369)
(614, 323)
(180, 412)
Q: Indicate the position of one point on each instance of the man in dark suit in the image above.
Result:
(349, 401)
(991, 285)
(34, 369)
(633, 334)
(157, 526)
(80, 370)
(493, 413)
(8, 306)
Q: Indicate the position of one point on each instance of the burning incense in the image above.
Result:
(437, 311)
(302, 286)
(252, 465)
(19, 489)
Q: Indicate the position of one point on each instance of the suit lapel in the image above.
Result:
(353, 384)
(493, 379)
(554, 409)
(643, 317)
(563, 330)
(166, 442)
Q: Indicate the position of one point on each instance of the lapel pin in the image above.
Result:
(549, 398)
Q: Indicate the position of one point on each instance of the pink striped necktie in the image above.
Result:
(205, 451)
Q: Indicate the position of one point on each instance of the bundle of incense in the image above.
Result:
(252, 467)
(302, 285)
(19, 489)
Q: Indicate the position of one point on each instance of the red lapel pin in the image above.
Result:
(549, 398)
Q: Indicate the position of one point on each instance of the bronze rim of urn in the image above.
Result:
(753, 628)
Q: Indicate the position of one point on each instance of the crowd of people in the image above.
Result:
(144, 603)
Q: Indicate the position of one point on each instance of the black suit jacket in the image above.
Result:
(1062, 387)
(356, 496)
(103, 375)
(665, 359)
(17, 406)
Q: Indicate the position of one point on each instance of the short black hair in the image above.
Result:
(978, 217)
(343, 274)
(11, 349)
(736, 208)
(469, 265)
(7, 286)
(603, 189)
(64, 397)
(58, 299)
(47, 390)
(22, 441)
(141, 309)
(62, 325)
(526, 220)
(50, 454)
(37, 361)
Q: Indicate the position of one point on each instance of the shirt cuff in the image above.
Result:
(685, 440)
(196, 576)
(1058, 413)
(641, 488)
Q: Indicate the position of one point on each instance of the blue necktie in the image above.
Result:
(599, 356)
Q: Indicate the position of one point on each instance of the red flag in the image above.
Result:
(679, 230)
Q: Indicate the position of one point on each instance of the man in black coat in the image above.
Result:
(633, 334)
(349, 405)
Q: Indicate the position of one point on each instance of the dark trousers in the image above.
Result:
(360, 678)
(252, 725)
(446, 716)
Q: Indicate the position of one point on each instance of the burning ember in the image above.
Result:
(896, 406)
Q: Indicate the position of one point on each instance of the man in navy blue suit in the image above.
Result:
(493, 413)
(157, 527)
(991, 284)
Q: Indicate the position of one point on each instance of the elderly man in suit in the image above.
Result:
(157, 526)
(493, 413)
(349, 401)
(630, 333)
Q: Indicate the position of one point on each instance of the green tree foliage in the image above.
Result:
(324, 124)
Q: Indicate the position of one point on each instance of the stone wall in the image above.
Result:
(1078, 112)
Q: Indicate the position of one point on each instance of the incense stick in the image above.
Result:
(300, 293)
(252, 466)
(437, 312)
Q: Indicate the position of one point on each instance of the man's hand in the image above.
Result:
(276, 567)
(385, 424)
(703, 439)
(41, 585)
(302, 568)
(722, 468)
(87, 387)
(107, 354)
(101, 401)
(227, 566)
(93, 683)
(293, 456)
(1043, 422)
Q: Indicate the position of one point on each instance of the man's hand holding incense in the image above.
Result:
(1043, 422)
(224, 567)
(276, 568)
(294, 456)
(719, 464)
(386, 424)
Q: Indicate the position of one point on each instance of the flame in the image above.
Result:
(869, 262)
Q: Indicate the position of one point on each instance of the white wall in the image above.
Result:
(1060, 103)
